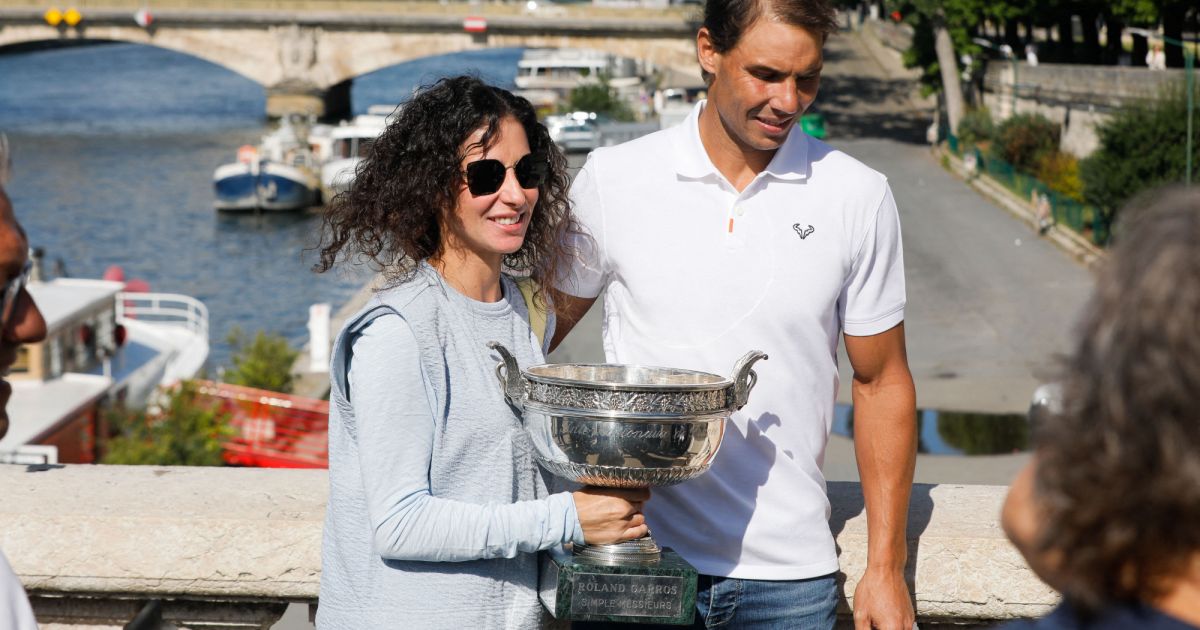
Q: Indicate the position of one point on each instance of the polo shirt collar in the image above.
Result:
(789, 164)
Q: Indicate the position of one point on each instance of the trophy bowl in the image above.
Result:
(624, 426)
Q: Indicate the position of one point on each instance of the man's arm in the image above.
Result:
(570, 310)
(885, 444)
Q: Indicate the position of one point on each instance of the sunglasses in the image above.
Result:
(485, 177)
(12, 290)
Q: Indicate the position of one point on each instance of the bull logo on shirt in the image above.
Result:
(803, 231)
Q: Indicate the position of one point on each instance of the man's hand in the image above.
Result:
(881, 601)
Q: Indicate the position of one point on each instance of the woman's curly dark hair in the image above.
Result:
(1118, 475)
(407, 187)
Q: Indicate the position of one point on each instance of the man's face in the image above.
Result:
(763, 84)
(25, 323)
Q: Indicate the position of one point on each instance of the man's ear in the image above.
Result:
(705, 53)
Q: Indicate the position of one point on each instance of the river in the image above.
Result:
(114, 147)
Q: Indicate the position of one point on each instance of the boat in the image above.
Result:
(545, 76)
(278, 175)
(348, 145)
(104, 345)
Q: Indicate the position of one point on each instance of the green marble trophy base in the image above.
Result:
(662, 593)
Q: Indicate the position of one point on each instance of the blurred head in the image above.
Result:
(762, 62)
(22, 322)
(1119, 470)
(410, 200)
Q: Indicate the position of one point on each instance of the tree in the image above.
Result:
(1142, 146)
(182, 432)
(943, 30)
(599, 98)
(264, 362)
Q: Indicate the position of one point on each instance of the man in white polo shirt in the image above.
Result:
(735, 231)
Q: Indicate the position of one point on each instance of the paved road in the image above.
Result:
(990, 305)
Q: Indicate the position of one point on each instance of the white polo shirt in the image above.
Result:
(697, 275)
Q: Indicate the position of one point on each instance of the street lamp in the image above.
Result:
(1188, 67)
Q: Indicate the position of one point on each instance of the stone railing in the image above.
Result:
(229, 548)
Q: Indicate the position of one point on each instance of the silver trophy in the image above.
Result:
(623, 426)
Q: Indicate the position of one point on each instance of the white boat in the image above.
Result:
(278, 175)
(563, 69)
(103, 346)
(348, 145)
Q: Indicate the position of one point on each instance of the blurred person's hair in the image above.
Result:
(1118, 476)
(406, 190)
(728, 20)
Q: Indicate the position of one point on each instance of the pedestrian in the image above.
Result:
(735, 231)
(20, 323)
(1106, 511)
(436, 505)
(1156, 58)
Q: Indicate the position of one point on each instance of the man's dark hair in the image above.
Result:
(1118, 476)
(406, 189)
(727, 20)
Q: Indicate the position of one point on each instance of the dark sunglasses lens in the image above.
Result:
(485, 176)
(531, 171)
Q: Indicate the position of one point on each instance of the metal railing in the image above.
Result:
(164, 308)
(1087, 221)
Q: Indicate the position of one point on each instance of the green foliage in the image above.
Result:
(961, 17)
(183, 432)
(599, 98)
(1024, 139)
(1060, 172)
(976, 127)
(984, 434)
(264, 362)
(1142, 146)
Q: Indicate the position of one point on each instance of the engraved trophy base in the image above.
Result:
(581, 589)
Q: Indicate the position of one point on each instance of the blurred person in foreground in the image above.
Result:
(1108, 510)
(20, 322)
(436, 505)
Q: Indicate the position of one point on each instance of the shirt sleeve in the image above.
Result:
(395, 448)
(586, 274)
(873, 296)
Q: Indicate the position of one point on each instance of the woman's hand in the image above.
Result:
(611, 515)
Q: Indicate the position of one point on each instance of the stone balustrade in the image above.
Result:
(230, 547)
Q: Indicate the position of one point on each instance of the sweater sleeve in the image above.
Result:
(395, 447)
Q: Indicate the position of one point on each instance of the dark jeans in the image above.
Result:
(735, 604)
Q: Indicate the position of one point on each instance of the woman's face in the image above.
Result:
(494, 224)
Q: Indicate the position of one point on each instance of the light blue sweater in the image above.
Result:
(436, 505)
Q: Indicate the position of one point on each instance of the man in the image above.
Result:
(1107, 510)
(20, 322)
(735, 231)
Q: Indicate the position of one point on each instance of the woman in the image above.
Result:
(436, 505)
(1108, 510)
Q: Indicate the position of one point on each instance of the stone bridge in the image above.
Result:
(306, 54)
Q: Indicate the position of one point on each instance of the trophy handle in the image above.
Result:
(509, 375)
(745, 378)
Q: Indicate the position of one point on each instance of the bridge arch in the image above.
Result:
(309, 68)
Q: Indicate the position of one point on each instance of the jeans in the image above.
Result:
(735, 604)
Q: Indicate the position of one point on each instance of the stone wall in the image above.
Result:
(229, 547)
(1080, 98)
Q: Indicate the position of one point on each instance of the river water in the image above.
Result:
(114, 148)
